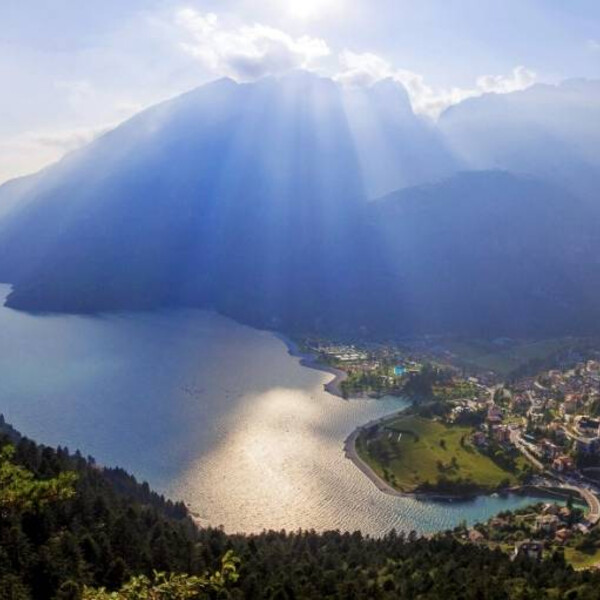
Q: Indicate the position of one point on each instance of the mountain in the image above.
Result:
(396, 148)
(223, 194)
(256, 200)
(549, 131)
(490, 251)
(245, 197)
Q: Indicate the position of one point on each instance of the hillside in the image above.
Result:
(114, 527)
(490, 251)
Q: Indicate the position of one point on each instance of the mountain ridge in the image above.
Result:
(254, 200)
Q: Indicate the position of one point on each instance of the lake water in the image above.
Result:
(208, 411)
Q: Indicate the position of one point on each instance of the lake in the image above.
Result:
(208, 411)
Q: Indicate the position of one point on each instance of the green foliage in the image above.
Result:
(172, 586)
(21, 491)
(116, 539)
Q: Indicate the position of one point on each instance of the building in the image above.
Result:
(562, 535)
(529, 549)
(476, 537)
(494, 414)
(587, 426)
(547, 523)
(549, 450)
(562, 463)
(501, 433)
(588, 445)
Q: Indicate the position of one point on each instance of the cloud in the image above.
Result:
(362, 70)
(366, 69)
(520, 79)
(248, 51)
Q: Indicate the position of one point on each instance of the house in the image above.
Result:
(587, 426)
(529, 549)
(501, 433)
(476, 537)
(547, 523)
(588, 445)
(582, 528)
(519, 403)
(562, 463)
(562, 535)
(494, 414)
(549, 450)
(550, 509)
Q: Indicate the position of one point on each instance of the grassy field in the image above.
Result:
(489, 356)
(582, 560)
(411, 451)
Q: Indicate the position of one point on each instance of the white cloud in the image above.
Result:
(362, 70)
(520, 79)
(248, 51)
(366, 69)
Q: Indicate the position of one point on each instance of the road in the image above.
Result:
(590, 498)
(517, 440)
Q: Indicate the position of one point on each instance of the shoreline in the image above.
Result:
(311, 361)
(351, 453)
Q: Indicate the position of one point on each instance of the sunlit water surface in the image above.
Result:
(208, 411)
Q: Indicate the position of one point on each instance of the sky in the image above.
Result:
(72, 70)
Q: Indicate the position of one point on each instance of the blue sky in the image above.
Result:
(72, 69)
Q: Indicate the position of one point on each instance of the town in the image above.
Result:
(540, 426)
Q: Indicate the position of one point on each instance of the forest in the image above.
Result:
(70, 529)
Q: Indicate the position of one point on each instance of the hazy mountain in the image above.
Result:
(254, 199)
(396, 148)
(231, 194)
(552, 132)
(488, 252)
